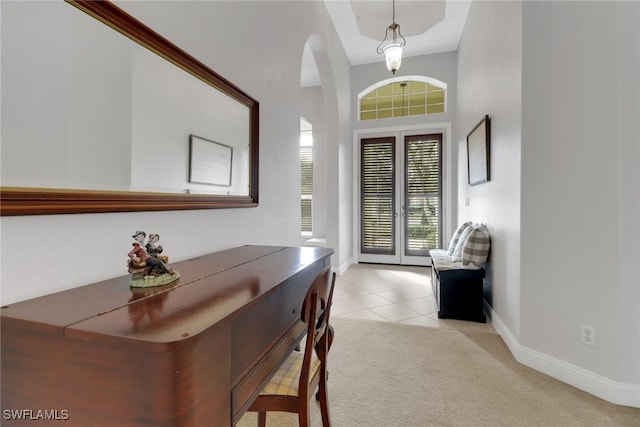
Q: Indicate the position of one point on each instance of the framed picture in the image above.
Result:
(209, 162)
(478, 152)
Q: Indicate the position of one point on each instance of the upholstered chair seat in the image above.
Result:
(286, 381)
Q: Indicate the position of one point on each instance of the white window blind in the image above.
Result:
(306, 178)
(306, 188)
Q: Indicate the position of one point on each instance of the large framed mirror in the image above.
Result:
(96, 122)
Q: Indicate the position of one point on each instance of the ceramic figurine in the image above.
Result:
(146, 265)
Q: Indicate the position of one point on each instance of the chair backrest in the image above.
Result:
(315, 313)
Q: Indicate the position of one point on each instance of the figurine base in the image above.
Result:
(150, 281)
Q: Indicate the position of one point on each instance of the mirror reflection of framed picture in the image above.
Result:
(209, 162)
(478, 152)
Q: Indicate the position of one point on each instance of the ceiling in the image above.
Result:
(430, 26)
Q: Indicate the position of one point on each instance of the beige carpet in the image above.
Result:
(390, 375)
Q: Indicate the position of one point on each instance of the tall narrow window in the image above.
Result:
(306, 177)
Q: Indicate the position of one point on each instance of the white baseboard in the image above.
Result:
(344, 266)
(602, 387)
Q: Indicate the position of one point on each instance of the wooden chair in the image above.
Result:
(293, 384)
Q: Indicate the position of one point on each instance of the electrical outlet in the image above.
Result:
(588, 335)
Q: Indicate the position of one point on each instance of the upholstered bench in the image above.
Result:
(457, 274)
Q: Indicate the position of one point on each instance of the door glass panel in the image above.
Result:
(422, 194)
(377, 196)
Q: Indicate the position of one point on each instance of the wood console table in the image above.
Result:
(193, 353)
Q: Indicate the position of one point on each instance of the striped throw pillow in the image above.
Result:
(457, 252)
(476, 247)
(456, 237)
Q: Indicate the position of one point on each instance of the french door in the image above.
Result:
(400, 198)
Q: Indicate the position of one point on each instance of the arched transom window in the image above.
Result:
(402, 96)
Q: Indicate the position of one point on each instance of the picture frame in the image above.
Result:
(210, 162)
(478, 152)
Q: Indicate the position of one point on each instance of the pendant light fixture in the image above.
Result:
(393, 50)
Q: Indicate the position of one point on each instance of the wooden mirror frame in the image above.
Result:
(39, 201)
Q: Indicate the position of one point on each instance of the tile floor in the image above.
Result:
(393, 293)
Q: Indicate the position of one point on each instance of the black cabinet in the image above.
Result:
(459, 293)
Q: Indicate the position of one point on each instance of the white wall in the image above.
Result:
(562, 205)
(580, 189)
(169, 105)
(489, 70)
(336, 91)
(129, 131)
(43, 254)
(72, 108)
